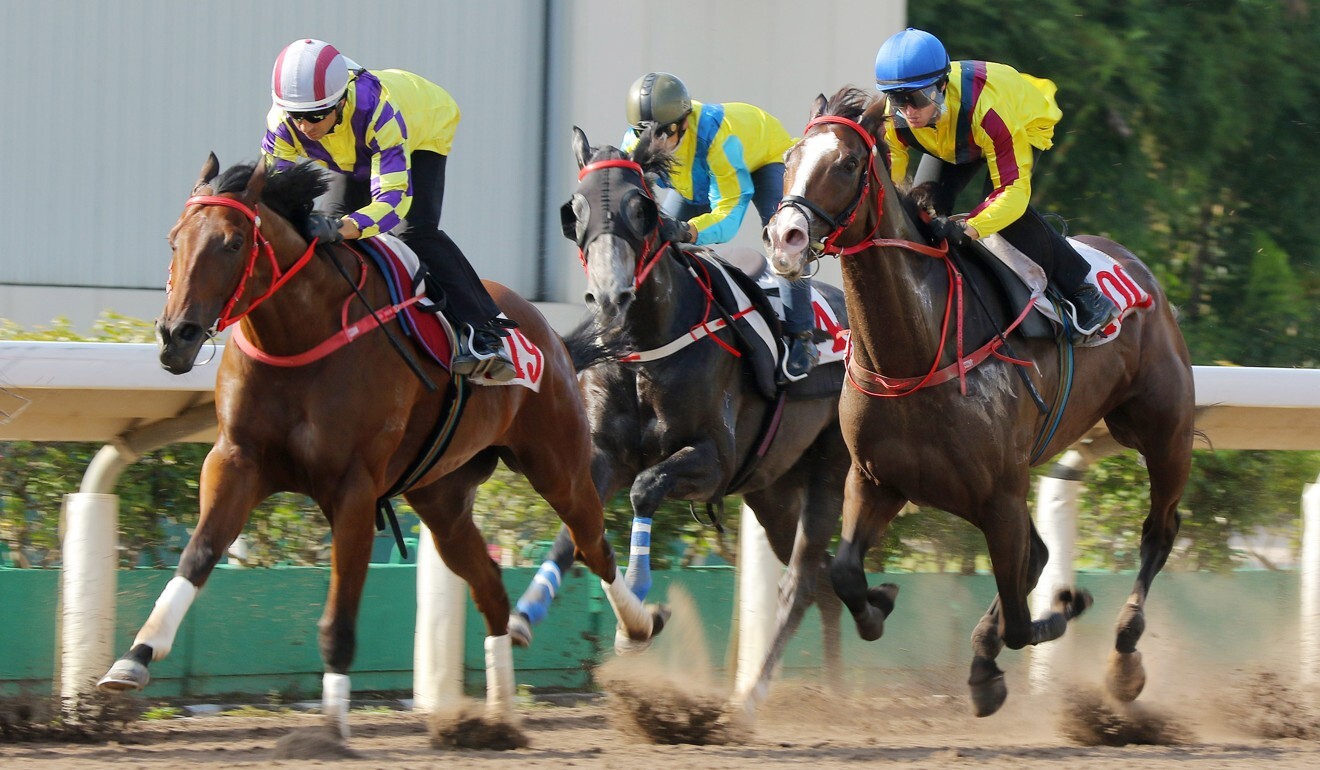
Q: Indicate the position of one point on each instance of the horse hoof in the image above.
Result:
(124, 675)
(659, 615)
(1126, 677)
(883, 597)
(520, 631)
(1072, 601)
(989, 696)
(625, 645)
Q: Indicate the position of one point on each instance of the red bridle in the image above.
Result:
(648, 257)
(259, 244)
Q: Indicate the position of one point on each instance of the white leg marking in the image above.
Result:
(163, 623)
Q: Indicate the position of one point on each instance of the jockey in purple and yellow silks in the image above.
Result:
(727, 156)
(387, 135)
(965, 116)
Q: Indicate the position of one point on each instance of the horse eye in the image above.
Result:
(850, 165)
(234, 243)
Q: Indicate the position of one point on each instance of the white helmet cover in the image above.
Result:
(309, 75)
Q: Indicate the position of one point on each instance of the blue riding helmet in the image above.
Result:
(910, 59)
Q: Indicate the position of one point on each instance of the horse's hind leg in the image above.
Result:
(800, 539)
(534, 604)
(867, 510)
(228, 492)
(446, 507)
(1168, 451)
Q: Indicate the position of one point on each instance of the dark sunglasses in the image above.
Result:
(916, 98)
(310, 117)
(665, 132)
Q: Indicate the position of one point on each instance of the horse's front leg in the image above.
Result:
(230, 488)
(352, 527)
(868, 508)
(1018, 556)
(446, 507)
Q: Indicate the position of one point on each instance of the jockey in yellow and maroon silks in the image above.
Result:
(965, 116)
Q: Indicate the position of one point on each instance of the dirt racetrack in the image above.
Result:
(799, 725)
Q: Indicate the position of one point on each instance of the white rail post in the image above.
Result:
(438, 665)
(758, 598)
(90, 551)
(1310, 568)
(1056, 521)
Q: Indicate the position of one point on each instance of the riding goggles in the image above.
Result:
(311, 117)
(917, 98)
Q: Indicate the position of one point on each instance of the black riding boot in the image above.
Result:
(481, 352)
(1094, 311)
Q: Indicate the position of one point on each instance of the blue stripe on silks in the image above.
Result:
(535, 601)
(638, 578)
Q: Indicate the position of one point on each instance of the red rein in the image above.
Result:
(259, 244)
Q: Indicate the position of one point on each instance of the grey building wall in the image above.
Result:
(114, 105)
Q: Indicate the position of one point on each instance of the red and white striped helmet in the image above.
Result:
(309, 75)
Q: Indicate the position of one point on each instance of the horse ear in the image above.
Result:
(210, 169)
(817, 107)
(581, 147)
(873, 120)
(256, 183)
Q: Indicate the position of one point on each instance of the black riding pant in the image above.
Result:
(465, 299)
(1030, 234)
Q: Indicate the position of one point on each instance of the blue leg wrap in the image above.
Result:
(535, 601)
(638, 578)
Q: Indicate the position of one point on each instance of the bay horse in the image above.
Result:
(343, 428)
(678, 421)
(914, 435)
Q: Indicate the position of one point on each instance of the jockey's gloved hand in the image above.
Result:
(674, 231)
(949, 229)
(324, 228)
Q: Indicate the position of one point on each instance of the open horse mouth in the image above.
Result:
(178, 345)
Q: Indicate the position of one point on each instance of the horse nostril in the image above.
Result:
(590, 298)
(187, 332)
(795, 238)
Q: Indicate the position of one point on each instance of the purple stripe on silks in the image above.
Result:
(393, 160)
(362, 221)
(315, 151)
(389, 222)
(366, 90)
(970, 85)
(387, 113)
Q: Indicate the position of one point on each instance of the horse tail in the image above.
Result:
(587, 347)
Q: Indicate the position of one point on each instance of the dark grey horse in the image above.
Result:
(687, 425)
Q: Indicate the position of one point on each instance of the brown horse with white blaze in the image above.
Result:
(915, 434)
(344, 428)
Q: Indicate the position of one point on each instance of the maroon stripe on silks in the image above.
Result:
(323, 60)
(1005, 159)
(279, 74)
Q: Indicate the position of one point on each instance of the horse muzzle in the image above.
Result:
(178, 344)
(787, 238)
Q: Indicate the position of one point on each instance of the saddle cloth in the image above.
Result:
(1106, 275)
(429, 328)
(746, 298)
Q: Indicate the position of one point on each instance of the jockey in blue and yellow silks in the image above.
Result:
(968, 115)
(387, 135)
(727, 156)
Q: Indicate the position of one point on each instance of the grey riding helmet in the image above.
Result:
(657, 97)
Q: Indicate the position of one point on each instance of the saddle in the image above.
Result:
(752, 308)
(1001, 281)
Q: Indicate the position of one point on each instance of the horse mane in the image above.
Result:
(290, 193)
(654, 161)
(848, 102)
